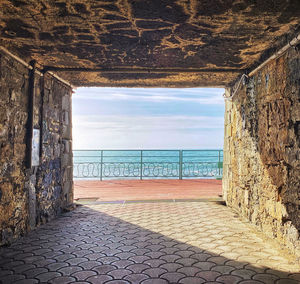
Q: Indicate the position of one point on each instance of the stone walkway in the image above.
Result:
(187, 242)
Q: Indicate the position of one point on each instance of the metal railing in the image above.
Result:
(147, 164)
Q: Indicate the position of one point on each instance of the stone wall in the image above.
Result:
(262, 150)
(30, 196)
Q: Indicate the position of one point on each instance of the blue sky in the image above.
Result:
(140, 118)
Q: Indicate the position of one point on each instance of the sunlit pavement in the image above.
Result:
(121, 190)
(187, 242)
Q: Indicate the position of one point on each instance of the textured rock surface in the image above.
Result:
(13, 118)
(31, 196)
(147, 33)
(262, 150)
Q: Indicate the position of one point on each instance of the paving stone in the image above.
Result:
(138, 267)
(229, 279)
(171, 267)
(208, 275)
(169, 250)
(66, 271)
(280, 274)
(41, 251)
(136, 277)
(154, 262)
(192, 280)
(21, 256)
(155, 272)
(62, 280)
(108, 259)
(30, 248)
(81, 253)
(104, 269)
(184, 253)
(200, 256)
(89, 264)
(52, 254)
(170, 257)
(224, 269)
(186, 261)
(55, 266)
(6, 279)
(155, 254)
(44, 263)
(64, 257)
(76, 261)
(140, 251)
(295, 276)
(286, 281)
(189, 271)
(31, 273)
(83, 275)
(243, 273)
(47, 276)
(139, 258)
(112, 252)
(94, 256)
(266, 278)
(122, 263)
(15, 254)
(236, 264)
(173, 277)
(204, 265)
(118, 282)
(119, 273)
(23, 267)
(155, 280)
(26, 281)
(99, 279)
(217, 260)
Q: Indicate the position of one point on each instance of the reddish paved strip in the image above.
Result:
(147, 189)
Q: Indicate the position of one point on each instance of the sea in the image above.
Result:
(125, 164)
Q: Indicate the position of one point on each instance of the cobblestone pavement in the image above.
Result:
(188, 242)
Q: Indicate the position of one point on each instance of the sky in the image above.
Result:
(148, 118)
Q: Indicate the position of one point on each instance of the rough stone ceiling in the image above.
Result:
(170, 43)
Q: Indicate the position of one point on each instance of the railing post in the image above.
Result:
(219, 163)
(101, 164)
(141, 166)
(180, 164)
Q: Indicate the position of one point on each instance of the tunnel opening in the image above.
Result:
(147, 134)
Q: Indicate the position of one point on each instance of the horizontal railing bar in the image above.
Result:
(150, 150)
(84, 163)
(139, 156)
(146, 156)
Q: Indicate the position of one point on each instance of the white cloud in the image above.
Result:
(113, 131)
(155, 118)
(201, 96)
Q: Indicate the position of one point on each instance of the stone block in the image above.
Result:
(66, 102)
(66, 119)
(67, 132)
(66, 160)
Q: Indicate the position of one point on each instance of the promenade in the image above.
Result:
(159, 189)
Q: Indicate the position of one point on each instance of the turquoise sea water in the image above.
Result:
(111, 164)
